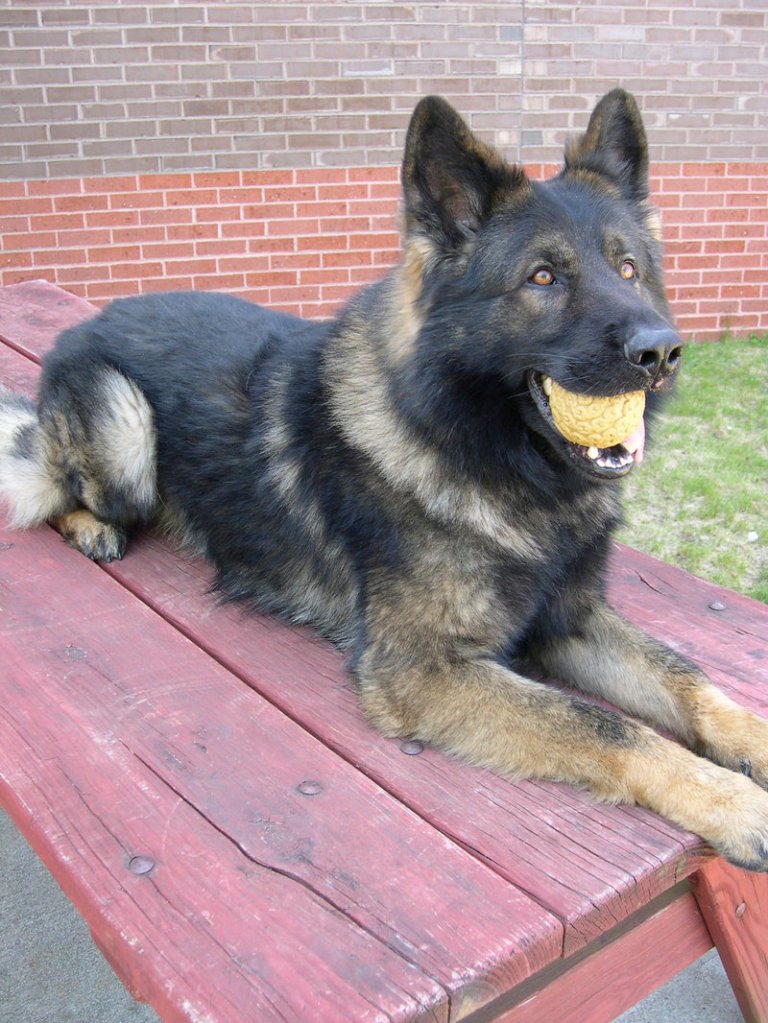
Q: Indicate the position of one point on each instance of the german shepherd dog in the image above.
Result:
(395, 476)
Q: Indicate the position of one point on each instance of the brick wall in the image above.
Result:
(253, 147)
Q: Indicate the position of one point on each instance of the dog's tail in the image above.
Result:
(28, 484)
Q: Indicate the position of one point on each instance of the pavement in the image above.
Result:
(51, 972)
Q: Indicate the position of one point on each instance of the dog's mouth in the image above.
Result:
(603, 462)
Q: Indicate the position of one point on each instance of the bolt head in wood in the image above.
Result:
(412, 747)
(309, 788)
(141, 864)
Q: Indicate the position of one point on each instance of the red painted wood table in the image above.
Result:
(244, 847)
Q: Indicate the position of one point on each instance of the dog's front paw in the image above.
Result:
(738, 826)
(97, 540)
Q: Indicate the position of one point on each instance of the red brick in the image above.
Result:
(166, 283)
(55, 186)
(16, 206)
(80, 203)
(294, 260)
(322, 176)
(191, 197)
(247, 263)
(100, 292)
(113, 218)
(15, 259)
(122, 184)
(215, 246)
(58, 257)
(191, 231)
(136, 271)
(81, 274)
(136, 200)
(299, 192)
(217, 179)
(324, 277)
(175, 215)
(240, 195)
(165, 182)
(13, 189)
(302, 294)
(181, 267)
(264, 178)
(14, 225)
(33, 240)
(219, 282)
(166, 250)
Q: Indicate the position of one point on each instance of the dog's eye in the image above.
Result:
(627, 270)
(543, 277)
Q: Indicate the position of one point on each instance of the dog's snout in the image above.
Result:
(655, 351)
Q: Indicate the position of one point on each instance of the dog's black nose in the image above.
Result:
(654, 350)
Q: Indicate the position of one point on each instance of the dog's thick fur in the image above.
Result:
(394, 477)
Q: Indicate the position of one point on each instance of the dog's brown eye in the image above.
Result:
(543, 277)
(627, 270)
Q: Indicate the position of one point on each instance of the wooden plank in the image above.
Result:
(33, 312)
(590, 865)
(209, 934)
(734, 905)
(89, 669)
(723, 631)
(614, 974)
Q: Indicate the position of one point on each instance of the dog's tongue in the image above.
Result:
(635, 443)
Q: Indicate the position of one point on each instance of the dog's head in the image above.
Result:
(523, 285)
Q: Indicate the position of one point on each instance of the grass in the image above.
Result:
(700, 499)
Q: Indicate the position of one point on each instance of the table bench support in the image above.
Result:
(734, 905)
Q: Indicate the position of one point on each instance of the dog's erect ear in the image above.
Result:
(614, 145)
(452, 181)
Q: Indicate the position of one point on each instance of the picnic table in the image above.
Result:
(245, 847)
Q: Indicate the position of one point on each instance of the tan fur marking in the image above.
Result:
(127, 440)
(27, 485)
(364, 413)
(406, 288)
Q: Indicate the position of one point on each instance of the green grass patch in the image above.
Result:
(700, 499)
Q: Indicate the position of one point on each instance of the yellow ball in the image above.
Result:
(593, 421)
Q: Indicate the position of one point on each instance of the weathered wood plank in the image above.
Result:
(729, 640)
(88, 669)
(735, 908)
(590, 865)
(209, 934)
(614, 975)
(33, 312)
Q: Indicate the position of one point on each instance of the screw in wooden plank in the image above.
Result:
(412, 747)
(309, 788)
(741, 909)
(717, 605)
(141, 864)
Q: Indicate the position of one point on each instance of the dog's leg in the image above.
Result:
(83, 458)
(98, 540)
(607, 656)
(494, 717)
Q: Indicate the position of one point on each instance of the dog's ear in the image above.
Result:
(614, 145)
(451, 180)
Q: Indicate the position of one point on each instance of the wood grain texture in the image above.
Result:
(615, 974)
(735, 907)
(32, 314)
(89, 669)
